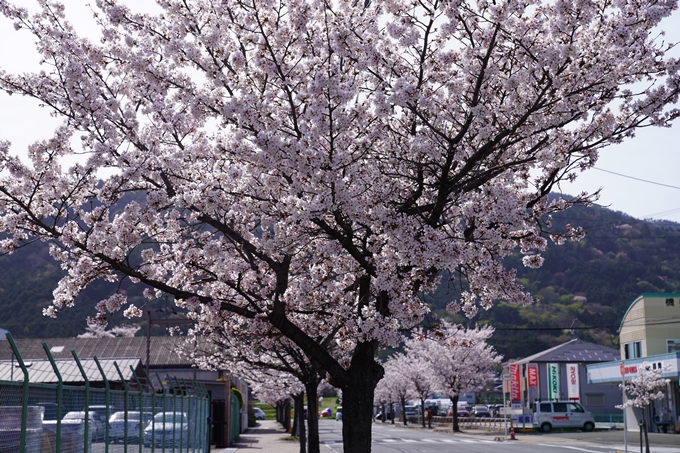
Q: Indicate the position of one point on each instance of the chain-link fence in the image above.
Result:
(168, 415)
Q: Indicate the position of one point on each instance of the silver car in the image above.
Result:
(167, 428)
(117, 426)
(95, 427)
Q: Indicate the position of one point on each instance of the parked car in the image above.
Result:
(461, 413)
(95, 426)
(167, 428)
(465, 406)
(259, 414)
(481, 411)
(562, 414)
(497, 410)
(117, 426)
(338, 413)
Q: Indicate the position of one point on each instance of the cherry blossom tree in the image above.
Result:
(461, 360)
(419, 374)
(642, 390)
(245, 356)
(382, 397)
(98, 330)
(396, 384)
(275, 388)
(310, 164)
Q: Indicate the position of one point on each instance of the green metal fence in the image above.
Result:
(168, 415)
(235, 418)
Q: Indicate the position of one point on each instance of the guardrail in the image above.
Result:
(485, 423)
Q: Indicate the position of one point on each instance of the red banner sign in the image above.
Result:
(515, 388)
(532, 376)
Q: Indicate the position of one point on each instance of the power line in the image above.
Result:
(637, 179)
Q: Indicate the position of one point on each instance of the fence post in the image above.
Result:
(24, 393)
(174, 403)
(153, 409)
(207, 408)
(160, 382)
(86, 437)
(185, 396)
(141, 413)
(193, 402)
(125, 407)
(60, 391)
(108, 402)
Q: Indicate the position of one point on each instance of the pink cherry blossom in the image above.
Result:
(309, 169)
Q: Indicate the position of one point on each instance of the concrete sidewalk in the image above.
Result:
(267, 436)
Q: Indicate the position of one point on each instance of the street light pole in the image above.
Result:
(505, 407)
(622, 368)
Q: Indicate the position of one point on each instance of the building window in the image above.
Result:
(632, 350)
(595, 399)
(672, 346)
(670, 302)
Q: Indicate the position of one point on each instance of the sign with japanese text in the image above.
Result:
(573, 388)
(553, 381)
(515, 386)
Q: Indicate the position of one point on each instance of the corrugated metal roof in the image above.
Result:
(41, 370)
(163, 351)
(575, 351)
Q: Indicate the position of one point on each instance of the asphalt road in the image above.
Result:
(389, 438)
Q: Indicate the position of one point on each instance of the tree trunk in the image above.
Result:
(422, 411)
(392, 411)
(286, 415)
(644, 426)
(298, 402)
(454, 406)
(312, 420)
(358, 391)
(300, 421)
(403, 411)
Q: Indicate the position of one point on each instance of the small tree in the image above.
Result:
(461, 360)
(643, 389)
(96, 329)
(397, 383)
(419, 374)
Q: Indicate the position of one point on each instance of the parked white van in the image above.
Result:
(562, 414)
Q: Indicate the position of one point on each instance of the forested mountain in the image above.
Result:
(582, 290)
(27, 279)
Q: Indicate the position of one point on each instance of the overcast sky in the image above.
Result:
(644, 166)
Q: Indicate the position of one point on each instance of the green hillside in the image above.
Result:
(586, 286)
(27, 279)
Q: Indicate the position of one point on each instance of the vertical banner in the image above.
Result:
(573, 389)
(515, 388)
(553, 381)
(532, 375)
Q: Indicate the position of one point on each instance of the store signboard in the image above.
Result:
(515, 386)
(532, 375)
(553, 381)
(573, 388)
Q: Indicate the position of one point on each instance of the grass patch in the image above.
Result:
(269, 411)
(331, 402)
